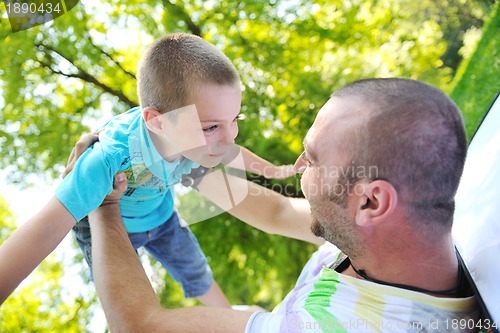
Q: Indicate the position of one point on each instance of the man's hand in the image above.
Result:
(120, 184)
(86, 141)
(80, 147)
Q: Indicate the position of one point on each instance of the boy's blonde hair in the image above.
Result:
(175, 67)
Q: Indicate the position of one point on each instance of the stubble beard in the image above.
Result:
(338, 229)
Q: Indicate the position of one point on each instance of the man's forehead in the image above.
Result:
(328, 113)
(339, 112)
(334, 121)
(342, 107)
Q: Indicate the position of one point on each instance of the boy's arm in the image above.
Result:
(26, 248)
(260, 166)
(260, 207)
(117, 268)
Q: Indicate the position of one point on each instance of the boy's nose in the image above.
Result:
(227, 137)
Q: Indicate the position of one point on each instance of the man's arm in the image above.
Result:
(129, 302)
(23, 251)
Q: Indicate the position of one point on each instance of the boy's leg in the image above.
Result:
(81, 230)
(214, 297)
(177, 249)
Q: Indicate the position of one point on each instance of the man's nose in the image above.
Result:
(299, 165)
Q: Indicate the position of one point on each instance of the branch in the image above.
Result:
(184, 16)
(81, 74)
(111, 58)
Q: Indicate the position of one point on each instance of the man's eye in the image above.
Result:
(306, 160)
(210, 129)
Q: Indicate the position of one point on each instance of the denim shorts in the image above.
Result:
(171, 244)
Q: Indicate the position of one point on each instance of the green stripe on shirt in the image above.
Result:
(318, 302)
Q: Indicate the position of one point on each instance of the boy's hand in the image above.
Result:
(80, 147)
(283, 171)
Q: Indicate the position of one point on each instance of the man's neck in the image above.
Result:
(433, 267)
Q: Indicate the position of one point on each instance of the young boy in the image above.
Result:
(190, 100)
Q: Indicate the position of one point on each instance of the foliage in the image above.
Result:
(38, 306)
(252, 267)
(60, 79)
(477, 81)
(7, 224)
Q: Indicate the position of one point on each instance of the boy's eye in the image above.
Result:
(210, 129)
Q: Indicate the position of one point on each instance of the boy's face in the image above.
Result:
(205, 132)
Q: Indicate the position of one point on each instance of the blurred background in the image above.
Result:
(65, 77)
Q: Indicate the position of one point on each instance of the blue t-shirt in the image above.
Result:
(125, 145)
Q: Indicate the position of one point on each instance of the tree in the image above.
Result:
(476, 84)
(62, 78)
(57, 79)
(39, 305)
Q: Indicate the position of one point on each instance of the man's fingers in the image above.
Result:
(120, 184)
(71, 163)
(86, 141)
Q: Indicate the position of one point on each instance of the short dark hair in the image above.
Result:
(415, 136)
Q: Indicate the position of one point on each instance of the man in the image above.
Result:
(380, 169)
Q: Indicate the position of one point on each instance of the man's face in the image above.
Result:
(205, 132)
(322, 165)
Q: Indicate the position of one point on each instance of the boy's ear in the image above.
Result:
(376, 201)
(153, 120)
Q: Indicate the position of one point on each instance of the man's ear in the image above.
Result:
(375, 201)
(153, 120)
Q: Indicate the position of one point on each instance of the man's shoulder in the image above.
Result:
(325, 256)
